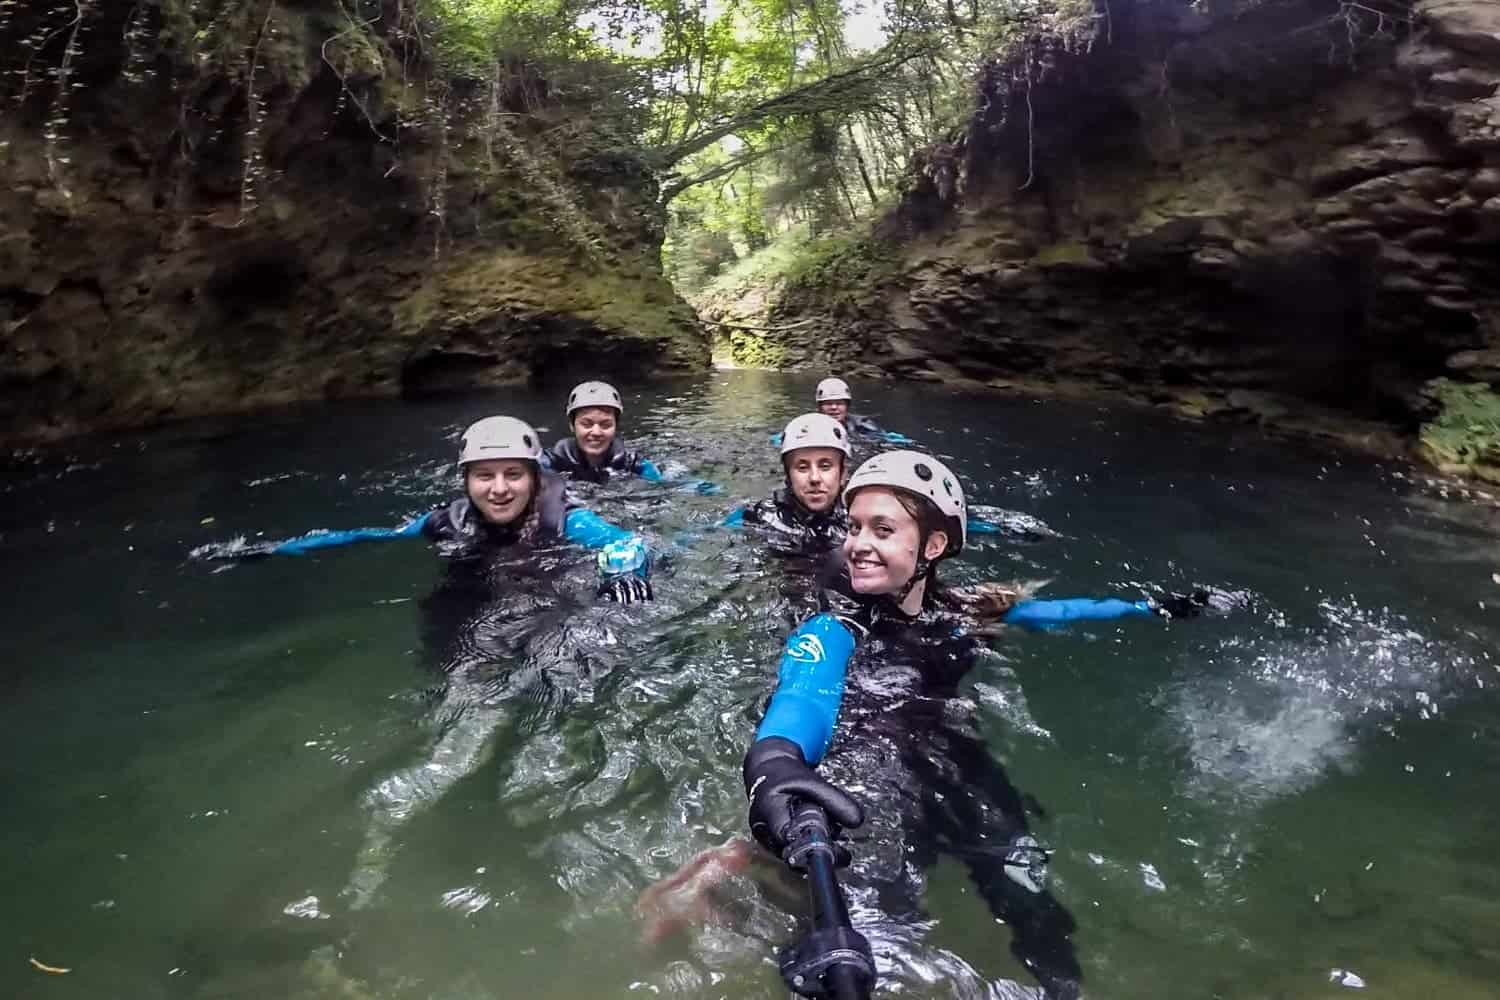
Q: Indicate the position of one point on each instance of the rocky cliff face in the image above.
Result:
(206, 212)
(1284, 210)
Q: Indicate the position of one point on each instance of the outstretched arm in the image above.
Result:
(649, 471)
(624, 559)
(319, 538)
(809, 686)
(796, 732)
(1056, 613)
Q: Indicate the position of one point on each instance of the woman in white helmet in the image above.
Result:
(508, 499)
(881, 667)
(594, 451)
(807, 516)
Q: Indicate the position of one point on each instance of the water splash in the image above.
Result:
(1277, 715)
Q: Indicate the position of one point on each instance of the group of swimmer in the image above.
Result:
(866, 692)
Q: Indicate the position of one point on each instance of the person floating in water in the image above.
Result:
(807, 516)
(508, 499)
(867, 696)
(833, 398)
(595, 452)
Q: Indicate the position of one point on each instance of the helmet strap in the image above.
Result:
(921, 571)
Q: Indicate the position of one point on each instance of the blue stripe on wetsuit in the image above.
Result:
(1050, 614)
(328, 539)
(809, 686)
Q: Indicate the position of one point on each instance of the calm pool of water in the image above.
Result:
(250, 780)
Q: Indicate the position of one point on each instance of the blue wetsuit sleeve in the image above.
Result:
(892, 437)
(590, 530)
(650, 472)
(1049, 614)
(620, 551)
(323, 539)
(809, 686)
(734, 519)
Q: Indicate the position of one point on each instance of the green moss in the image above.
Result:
(474, 288)
(752, 350)
(1063, 253)
(1464, 437)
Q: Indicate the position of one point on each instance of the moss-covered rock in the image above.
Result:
(244, 210)
(1464, 437)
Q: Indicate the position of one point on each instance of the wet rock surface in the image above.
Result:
(188, 245)
(1284, 212)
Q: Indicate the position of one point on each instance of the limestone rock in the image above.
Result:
(1470, 26)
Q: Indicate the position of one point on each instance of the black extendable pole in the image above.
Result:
(834, 960)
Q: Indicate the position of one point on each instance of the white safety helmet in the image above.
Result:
(927, 478)
(499, 437)
(814, 430)
(594, 394)
(832, 389)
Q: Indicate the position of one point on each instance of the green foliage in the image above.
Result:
(749, 349)
(1464, 437)
(841, 261)
(835, 265)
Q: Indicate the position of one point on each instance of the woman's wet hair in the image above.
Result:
(923, 511)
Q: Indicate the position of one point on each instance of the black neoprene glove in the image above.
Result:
(625, 588)
(776, 779)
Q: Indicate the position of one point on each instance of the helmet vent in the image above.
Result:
(923, 471)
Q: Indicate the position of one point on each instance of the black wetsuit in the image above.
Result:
(928, 783)
(792, 529)
(459, 529)
(564, 458)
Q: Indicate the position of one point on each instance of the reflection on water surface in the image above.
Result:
(260, 780)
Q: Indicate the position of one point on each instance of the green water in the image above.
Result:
(248, 780)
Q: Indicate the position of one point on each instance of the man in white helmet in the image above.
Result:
(508, 499)
(807, 516)
(833, 397)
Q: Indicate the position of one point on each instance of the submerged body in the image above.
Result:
(928, 784)
(567, 458)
